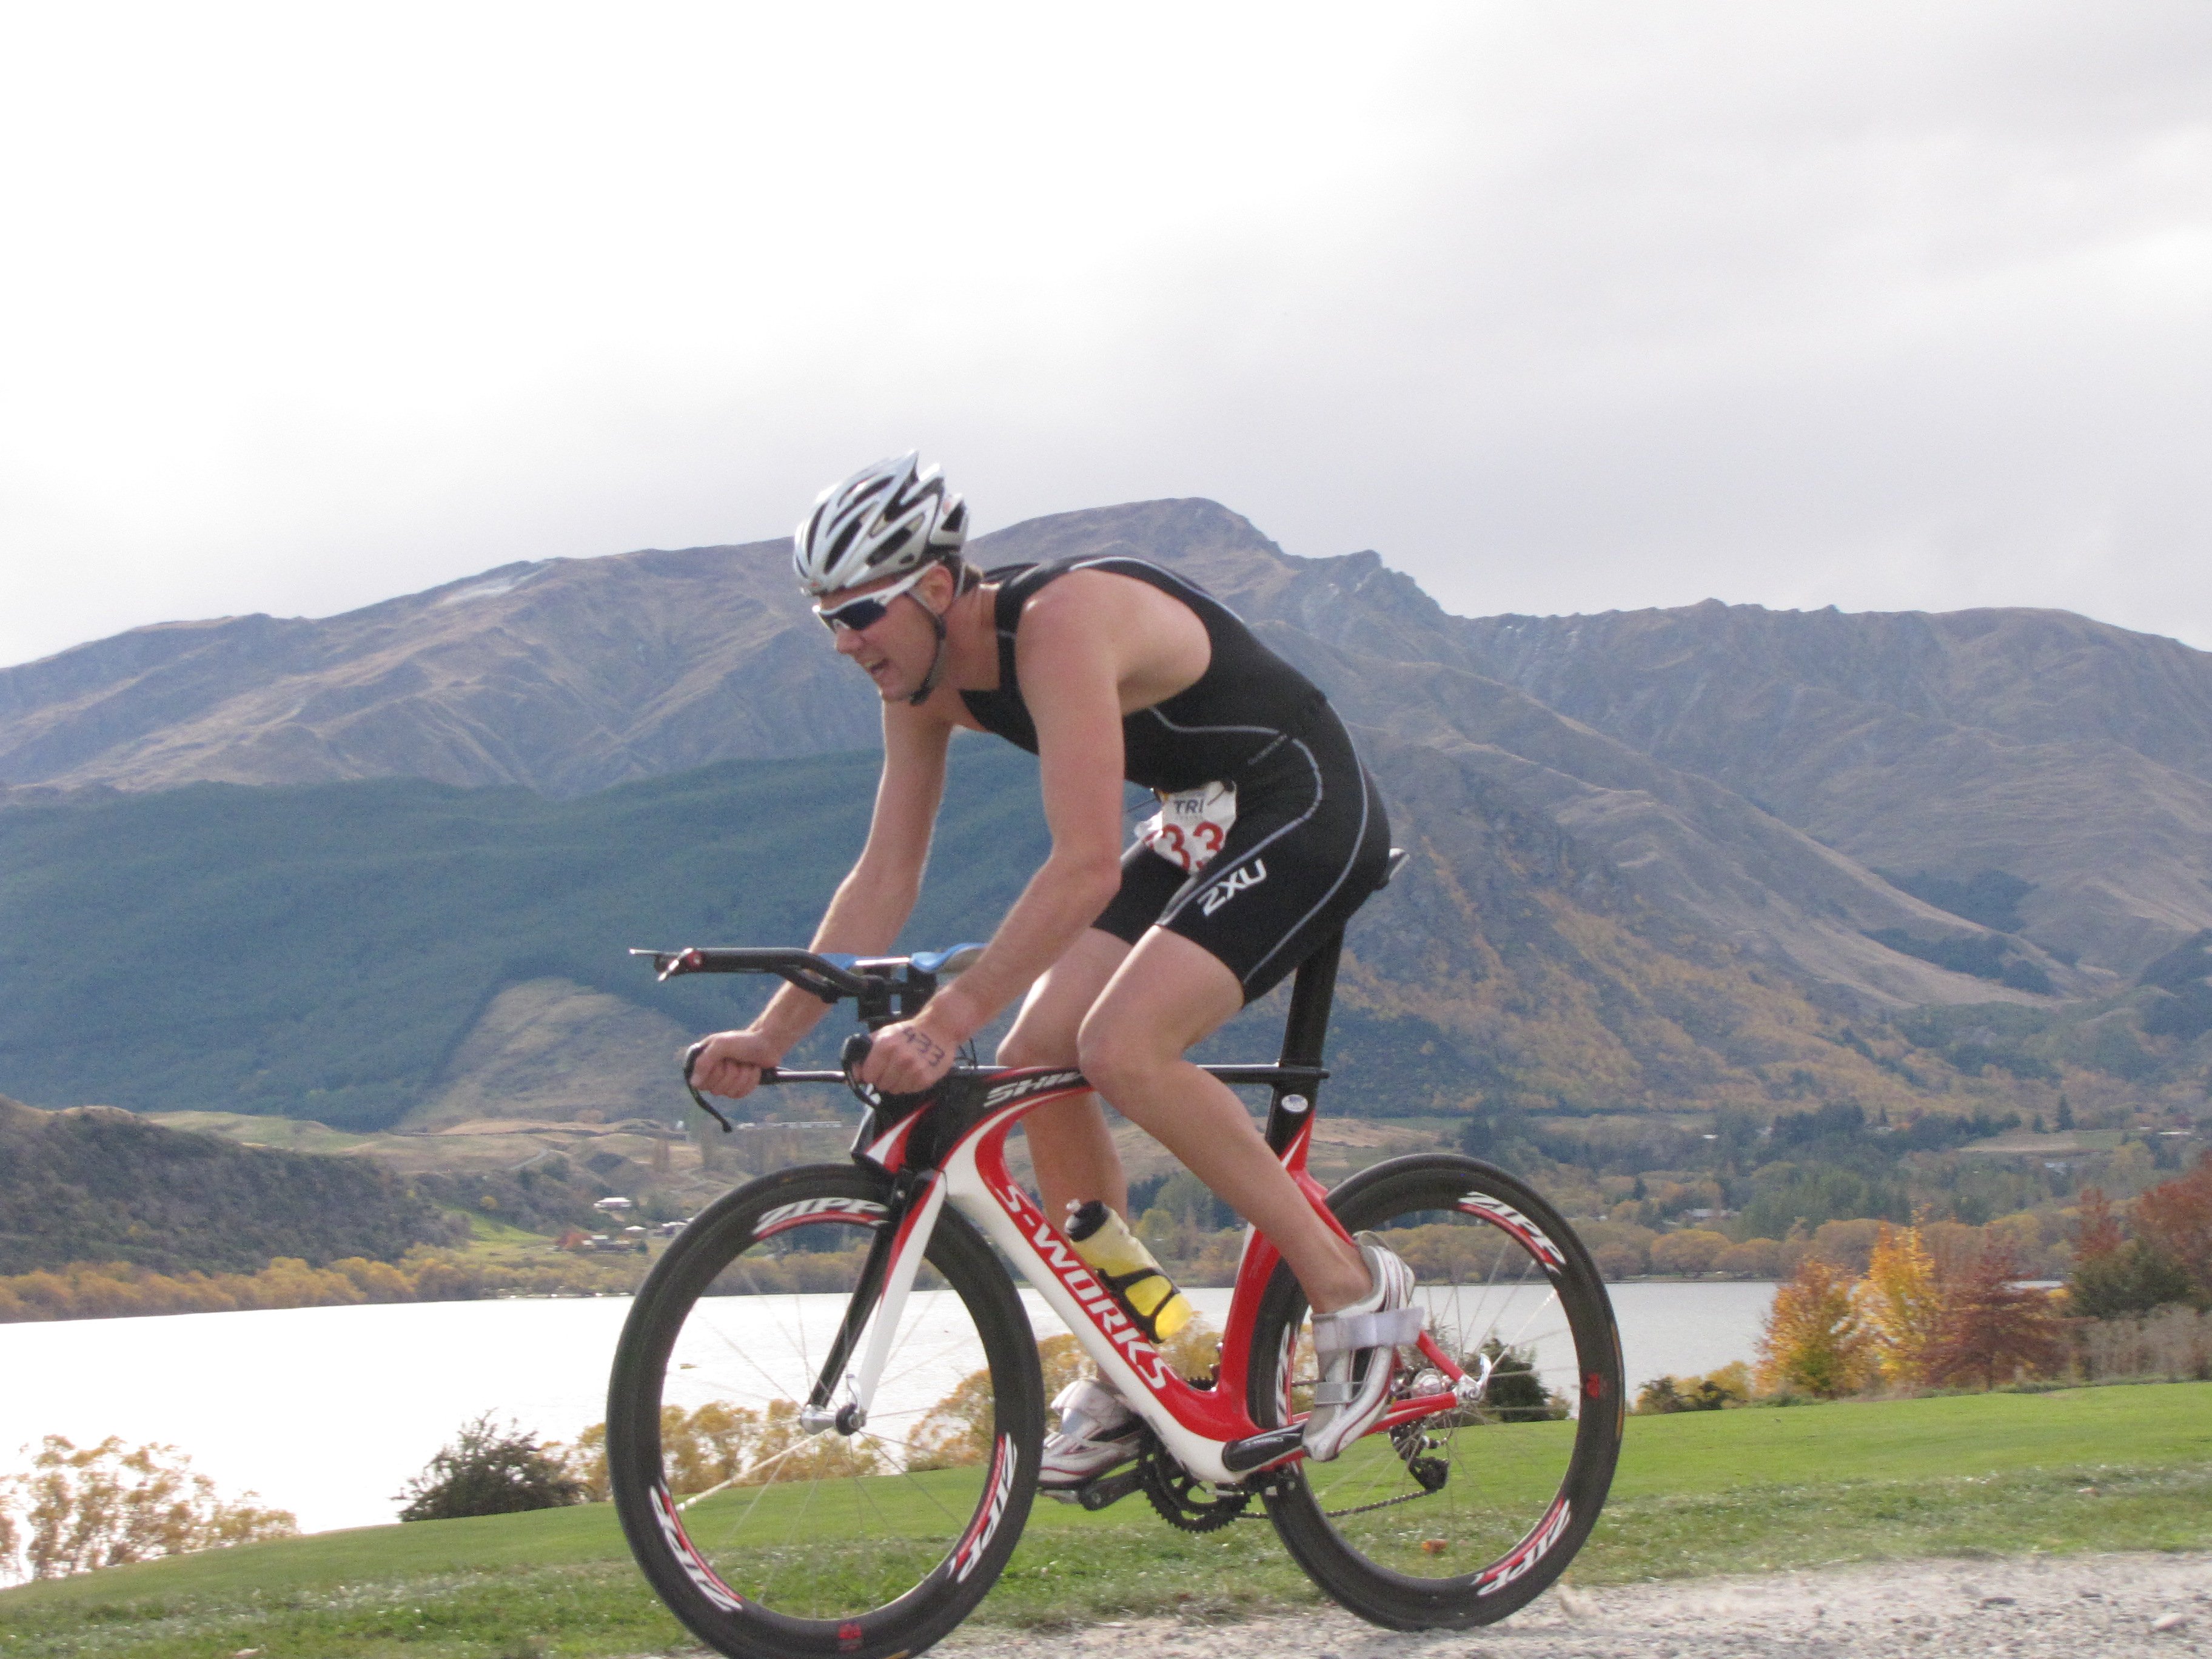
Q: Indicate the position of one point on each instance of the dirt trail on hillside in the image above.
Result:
(2077, 1607)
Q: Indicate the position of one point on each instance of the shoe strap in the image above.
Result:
(1348, 1333)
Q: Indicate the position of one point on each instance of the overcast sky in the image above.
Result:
(1558, 306)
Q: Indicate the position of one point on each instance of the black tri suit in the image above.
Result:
(1253, 742)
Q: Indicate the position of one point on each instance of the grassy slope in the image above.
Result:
(1697, 1493)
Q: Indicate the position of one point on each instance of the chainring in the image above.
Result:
(1183, 1500)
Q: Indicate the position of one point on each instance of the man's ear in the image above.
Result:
(938, 588)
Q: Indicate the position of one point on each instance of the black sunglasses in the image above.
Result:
(868, 610)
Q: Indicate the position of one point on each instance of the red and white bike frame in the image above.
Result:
(1208, 1431)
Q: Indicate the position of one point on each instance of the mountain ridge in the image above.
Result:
(568, 676)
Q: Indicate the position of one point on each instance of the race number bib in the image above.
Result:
(1190, 827)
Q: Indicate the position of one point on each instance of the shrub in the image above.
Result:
(1728, 1386)
(1516, 1393)
(489, 1471)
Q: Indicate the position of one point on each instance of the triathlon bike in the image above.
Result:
(825, 1415)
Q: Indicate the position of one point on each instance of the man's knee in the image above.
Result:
(1114, 1056)
(1027, 1045)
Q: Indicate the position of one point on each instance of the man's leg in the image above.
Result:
(1073, 1154)
(1166, 995)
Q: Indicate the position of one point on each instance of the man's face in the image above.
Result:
(896, 650)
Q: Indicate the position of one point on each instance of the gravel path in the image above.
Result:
(2070, 1606)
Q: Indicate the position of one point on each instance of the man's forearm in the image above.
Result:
(1063, 898)
(864, 918)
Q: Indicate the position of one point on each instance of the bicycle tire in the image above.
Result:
(772, 1569)
(1366, 1528)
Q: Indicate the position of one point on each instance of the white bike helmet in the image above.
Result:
(884, 520)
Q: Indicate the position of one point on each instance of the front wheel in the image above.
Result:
(1460, 1518)
(770, 1541)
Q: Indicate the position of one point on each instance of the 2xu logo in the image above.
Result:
(1531, 1235)
(1023, 1086)
(1244, 876)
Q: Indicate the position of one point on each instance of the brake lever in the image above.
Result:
(691, 1059)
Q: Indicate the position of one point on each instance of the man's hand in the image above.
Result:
(730, 1063)
(907, 1057)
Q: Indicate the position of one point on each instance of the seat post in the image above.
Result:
(1305, 1032)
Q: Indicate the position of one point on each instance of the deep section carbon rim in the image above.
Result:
(767, 1537)
(1461, 1517)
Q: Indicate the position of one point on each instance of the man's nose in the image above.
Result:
(848, 640)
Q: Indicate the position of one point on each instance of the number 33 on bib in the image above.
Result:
(1191, 826)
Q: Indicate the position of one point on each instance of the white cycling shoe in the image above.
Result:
(1097, 1431)
(1356, 1349)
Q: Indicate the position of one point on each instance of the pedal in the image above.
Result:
(1097, 1494)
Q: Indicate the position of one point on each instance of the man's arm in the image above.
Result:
(871, 905)
(1072, 652)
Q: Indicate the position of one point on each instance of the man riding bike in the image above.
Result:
(1270, 835)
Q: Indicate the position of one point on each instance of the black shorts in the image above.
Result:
(1310, 843)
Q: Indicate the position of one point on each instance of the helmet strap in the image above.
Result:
(936, 673)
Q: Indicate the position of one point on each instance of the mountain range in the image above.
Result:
(1662, 858)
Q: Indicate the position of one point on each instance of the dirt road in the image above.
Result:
(2075, 1606)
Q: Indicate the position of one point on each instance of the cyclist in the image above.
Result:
(1269, 836)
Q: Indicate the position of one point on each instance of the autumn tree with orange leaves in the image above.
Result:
(1901, 1305)
(1815, 1340)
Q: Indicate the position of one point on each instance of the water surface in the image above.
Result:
(327, 1412)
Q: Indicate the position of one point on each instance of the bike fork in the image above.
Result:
(878, 1305)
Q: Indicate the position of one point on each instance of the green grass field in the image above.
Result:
(1699, 1493)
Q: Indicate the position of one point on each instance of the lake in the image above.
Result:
(328, 1411)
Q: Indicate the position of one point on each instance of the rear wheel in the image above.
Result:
(1460, 1518)
(766, 1540)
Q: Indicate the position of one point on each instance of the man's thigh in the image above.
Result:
(1166, 994)
(1044, 1032)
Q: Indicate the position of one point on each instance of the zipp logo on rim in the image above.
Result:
(1528, 1552)
(694, 1566)
(1496, 1210)
(808, 1207)
(979, 1536)
(1030, 1085)
(1244, 876)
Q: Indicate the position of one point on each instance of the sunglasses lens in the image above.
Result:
(859, 614)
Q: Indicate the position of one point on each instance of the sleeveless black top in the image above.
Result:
(1241, 711)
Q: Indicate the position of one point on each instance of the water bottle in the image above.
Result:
(1119, 1259)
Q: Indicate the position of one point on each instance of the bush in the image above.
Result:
(1715, 1391)
(489, 1471)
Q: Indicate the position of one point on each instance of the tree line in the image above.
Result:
(1924, 1313)
(117, 1290)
